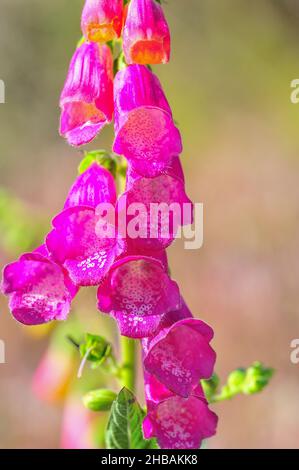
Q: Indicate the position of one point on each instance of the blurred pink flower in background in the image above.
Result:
(53, 375)
(77, 430)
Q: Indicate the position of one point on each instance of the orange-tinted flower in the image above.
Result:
(102, 20)
(146, 34)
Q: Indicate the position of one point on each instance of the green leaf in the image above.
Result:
(124, 429)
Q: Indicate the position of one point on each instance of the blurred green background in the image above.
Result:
(229, 85)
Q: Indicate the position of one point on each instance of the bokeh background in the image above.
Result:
(229, 86)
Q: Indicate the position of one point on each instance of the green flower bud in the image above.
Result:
(236, 380)
(210, 386)
(99, 400)
(95, 349)
(257, 378)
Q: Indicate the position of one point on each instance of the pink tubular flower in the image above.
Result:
(137, 292)
(160, 206)
(76, 243)
(144, 127)
(87, 98)
(102, 20)
(39, 290)
(180, 355)
(176, 422)
(93, 187)
(146, 34)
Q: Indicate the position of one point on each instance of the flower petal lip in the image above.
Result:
(95, 186)
(180, 355)
(146, 36)
(86, 101)
(102, 20)
(137, 292)
(176, 422)
(144, 127)
(39, 289)
(74, 243)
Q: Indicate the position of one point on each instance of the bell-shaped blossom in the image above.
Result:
(137, 292)
(144, 127)
(39, 289)
(176, 422)
(86, 101)
(84, 243)
(102, 20)
(179, 355)
(146, 34)
(93, 187)
(155, 208)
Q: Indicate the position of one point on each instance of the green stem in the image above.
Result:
(128, 350)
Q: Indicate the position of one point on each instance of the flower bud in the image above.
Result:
(210, 386)
(236, 380)
(99, 400)
(257, 378)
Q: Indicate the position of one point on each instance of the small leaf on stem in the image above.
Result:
(124, 429)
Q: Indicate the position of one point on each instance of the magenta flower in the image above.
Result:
(137, 292)
(180, 355)
(75, 242)
(87, 98)
(144, 127)
(39, 290)
(146, 34)
(176, 422)
(93, 187)
(161, 207)
(102, 20)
